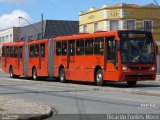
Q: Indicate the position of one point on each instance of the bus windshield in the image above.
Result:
(137, 48)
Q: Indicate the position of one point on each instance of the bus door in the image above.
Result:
(42, 60)
(109, 66)
(20, 60)
(70, 74)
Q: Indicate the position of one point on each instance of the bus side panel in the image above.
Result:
(33, 62)
(15, 66)
(85, 67)
(61, 61)
(109, 74)
(4, 66)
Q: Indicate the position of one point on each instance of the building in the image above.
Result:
(9, 35)
(122, 16)
(51, 28)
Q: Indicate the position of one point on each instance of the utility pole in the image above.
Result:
(42, 26)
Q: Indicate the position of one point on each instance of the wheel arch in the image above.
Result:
(98, 67)
(60, 67)
(33, 67)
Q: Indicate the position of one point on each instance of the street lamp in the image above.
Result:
(29, 23)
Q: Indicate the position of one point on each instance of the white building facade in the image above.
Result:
(9, 35)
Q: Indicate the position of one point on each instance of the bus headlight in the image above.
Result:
(125, 68)
(152, 69)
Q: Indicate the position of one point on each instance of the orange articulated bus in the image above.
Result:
(29, 59)
(97, 57)
(106, 56)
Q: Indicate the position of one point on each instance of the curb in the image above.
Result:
(19, 109)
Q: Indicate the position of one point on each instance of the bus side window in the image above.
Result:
(11, 52)
(31, 51)
(15, 52)
(110, 48)
(80, 47)
(20, 52)
(71, 47)
(36, 51)
(99, 46)
(58, 48)
(3, 51)
(64, 47)
(42, 50)
(7, 51)
(89, 46)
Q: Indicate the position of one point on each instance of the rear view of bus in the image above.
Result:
(138, 56)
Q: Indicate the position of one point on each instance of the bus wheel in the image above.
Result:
(34, 74)
(62, 76)
(11, 72)
(99, 78)
(131, 83)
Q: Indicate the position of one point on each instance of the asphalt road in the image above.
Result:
(82, 98)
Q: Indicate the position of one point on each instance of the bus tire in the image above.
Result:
(34, 74)
(11, 72)
(131, 83)
(99, 78)
(62, 76)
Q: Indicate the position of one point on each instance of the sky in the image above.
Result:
(31, 10)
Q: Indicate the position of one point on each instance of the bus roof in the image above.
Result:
(88, 35)
(19, 43)
(97, 34)
(37, 41)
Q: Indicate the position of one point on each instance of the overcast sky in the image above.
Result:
(31, 10)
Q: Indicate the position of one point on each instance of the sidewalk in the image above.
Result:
(13, 108)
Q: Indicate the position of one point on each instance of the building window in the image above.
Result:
(7, 40)
(96, 26)
(114, 25)
(148, 25)
(3, 40)
(84, 28)
(130, 25)
(11, 39)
